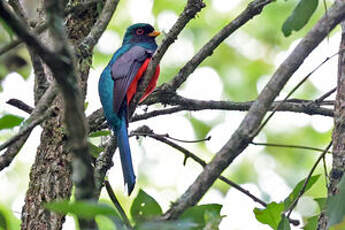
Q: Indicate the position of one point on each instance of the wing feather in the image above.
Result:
(124, 70)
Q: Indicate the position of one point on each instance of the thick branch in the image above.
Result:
(244, 134)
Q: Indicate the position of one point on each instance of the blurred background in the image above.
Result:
(237, 71)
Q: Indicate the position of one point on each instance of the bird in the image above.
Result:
(118, 84)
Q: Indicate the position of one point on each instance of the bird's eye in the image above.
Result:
(139, 31)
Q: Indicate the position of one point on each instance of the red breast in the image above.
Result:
(132, 89)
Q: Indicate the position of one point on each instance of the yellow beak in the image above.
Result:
(154, 34)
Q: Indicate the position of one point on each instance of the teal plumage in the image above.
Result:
(117, 85)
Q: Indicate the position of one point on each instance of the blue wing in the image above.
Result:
(123, 71)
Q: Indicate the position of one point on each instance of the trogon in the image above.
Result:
(118, 84)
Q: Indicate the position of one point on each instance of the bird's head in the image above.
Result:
(140, 32)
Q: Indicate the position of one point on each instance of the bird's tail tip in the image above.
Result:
(129, 187)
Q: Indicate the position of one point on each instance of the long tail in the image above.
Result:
(125, 154)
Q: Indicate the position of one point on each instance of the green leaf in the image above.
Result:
(336, 205)
(201, 214)
(9, 121)
(100, 133)
(311, 223)
(95, 150)
(212, 220)
(284, 223)
(8, 221)
(105, 223)
(200, 127)
(321, 202)
(7, 28)
(270, 215)
(86, 104)
(167, 225)
(340, 226)
(83, 209)
(3, 224)
(144, 207)
(300, 16)
(294, 194)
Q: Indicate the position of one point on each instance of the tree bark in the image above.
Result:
(338, 136)
(50, 176)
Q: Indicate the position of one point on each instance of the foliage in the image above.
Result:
(94, 150)
(144, 207)
(336, 206)
(300, 16)
(273, 214)
(9, 121)
(7, 219)
(83, 209)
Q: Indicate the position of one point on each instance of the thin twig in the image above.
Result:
(289, 146)
(293, 90)
(12, 150)
(146, 131)
(254, 8)
(184, 141)
(27, 128)
(323, 97)
(117, 204)
(41, 108)
(325, 170)
(301, 192)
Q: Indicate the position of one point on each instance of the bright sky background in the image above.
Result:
(163, 165)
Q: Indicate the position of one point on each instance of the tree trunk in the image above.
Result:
(338, 164)
(50, 176)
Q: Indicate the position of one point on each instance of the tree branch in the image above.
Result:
(39, 114)
(96, 119)
(99, 27)
(20, 105)
(289, 146)
(117, 204)
(189, 12)
(301, 192)
(13, 44)
(103, 163)
(254, 8)
(147, 132)
(338, 160)
(244, 134)
(27, 128)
